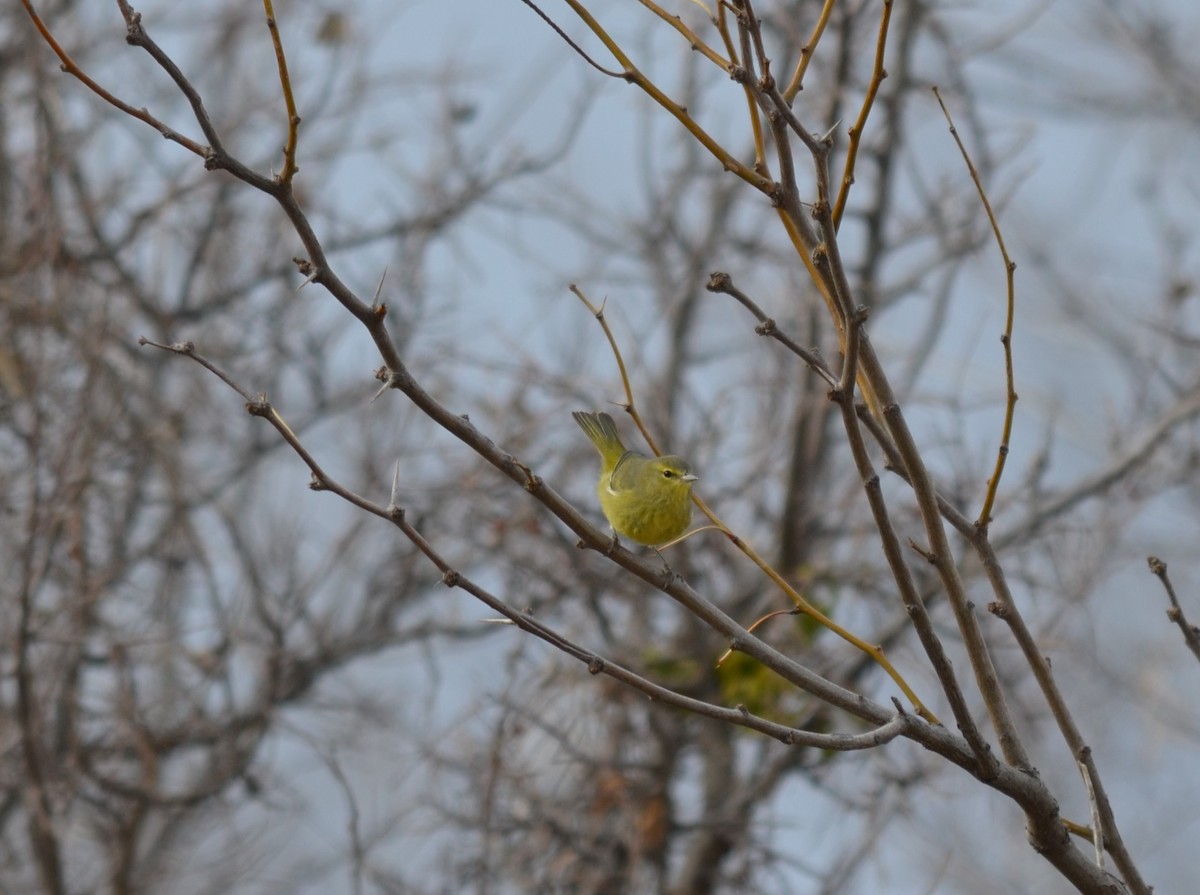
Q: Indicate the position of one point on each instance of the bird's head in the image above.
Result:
(672, 472)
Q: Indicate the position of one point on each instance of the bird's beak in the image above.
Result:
(690, 478)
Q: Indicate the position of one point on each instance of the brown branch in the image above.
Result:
(1006, 609)
(889, 727)
(571, 43)
(70, 67)
(722, 282)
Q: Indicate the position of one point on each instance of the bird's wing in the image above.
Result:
(624, 474)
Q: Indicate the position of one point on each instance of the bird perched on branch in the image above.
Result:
(645, 499)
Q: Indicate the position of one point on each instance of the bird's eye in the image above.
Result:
(668, 473)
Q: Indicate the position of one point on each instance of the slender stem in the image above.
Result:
(289, 151)
(993, 485)
(692, 38)
(70, 67)
(1191, 634)
(878, 73)
(796, 84)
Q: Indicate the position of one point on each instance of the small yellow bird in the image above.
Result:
(646, 499)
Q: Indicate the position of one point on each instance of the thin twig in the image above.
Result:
(993, 485)
(878, 73)
(692, 38)
(1191, 634)
(758, 623)
(796, 84)
(285, 82)
(722, 282)
(70, 67)
(630, 405)
(571, 43)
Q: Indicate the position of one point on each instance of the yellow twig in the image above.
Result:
(796, 84)
(692, 38)
(875, 652)
(878, 73)
(993, 485)
(289, 151)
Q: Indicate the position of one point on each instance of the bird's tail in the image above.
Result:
(602, 432)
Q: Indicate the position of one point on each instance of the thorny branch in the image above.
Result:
(818, 250)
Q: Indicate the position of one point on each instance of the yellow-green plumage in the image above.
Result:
(645, 499)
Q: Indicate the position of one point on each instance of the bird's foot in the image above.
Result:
(668, 574)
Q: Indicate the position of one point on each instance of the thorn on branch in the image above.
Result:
(388, 378)
(826, 139)
(927, 554)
